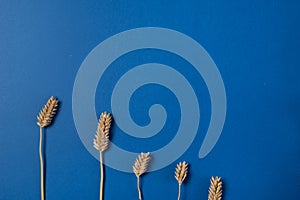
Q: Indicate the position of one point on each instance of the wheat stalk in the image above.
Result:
(140, 167)
(215, 189)
(44, 119)
(180, 174)
(101, 143)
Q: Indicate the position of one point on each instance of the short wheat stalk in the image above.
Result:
(140, 167)
(180, 174)
(101, 143)
(215, 189)
(44, 119)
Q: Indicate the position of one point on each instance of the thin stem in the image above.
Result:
(138, 187)
(102, 176)
(179, 189)
(41, 163)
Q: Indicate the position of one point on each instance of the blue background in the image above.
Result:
(255, 45)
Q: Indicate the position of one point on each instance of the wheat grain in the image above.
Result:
(101, 141)
(141, 164)
(140, 167)
(181, 172)
(215, 189)
(47, 113)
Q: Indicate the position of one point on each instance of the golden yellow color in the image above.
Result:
(215, 189)
(101, 141)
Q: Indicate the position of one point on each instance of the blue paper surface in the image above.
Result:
(254, 45)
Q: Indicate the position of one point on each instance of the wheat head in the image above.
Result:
(181, 172)
(47, 113)
(215, 189)
(101, 141)
(141, 164)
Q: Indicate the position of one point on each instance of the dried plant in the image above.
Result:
(47, 113)
(44, 119)
(180, 174)
(140, 167)
(101, 143)
(215, 189)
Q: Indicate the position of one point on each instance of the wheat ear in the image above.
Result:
(140, 167)
(101, 143)
(180, 174)
(215, 189)
(44, 119)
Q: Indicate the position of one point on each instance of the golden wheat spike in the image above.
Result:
(101, 141)
(181, 171)
(140, 167)
(215, 189)
(47, 113)
(141, 164)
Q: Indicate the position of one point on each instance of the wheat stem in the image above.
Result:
(138, 187)
(179, 191)
(41, 164)
(102, 176)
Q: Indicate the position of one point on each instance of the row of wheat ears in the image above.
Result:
(101, 143)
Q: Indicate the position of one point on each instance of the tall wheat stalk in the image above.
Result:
(140, 167)
(44, 119)
(180, 174)
(101, 143)
(215, 189)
